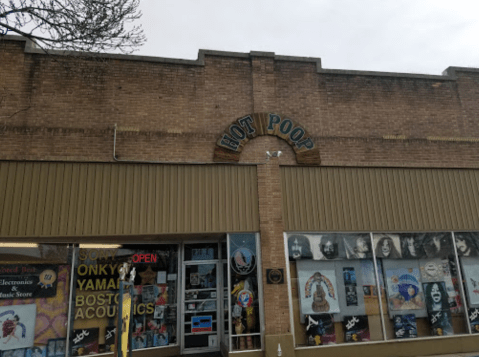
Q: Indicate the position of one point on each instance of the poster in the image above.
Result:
(299, 247)
(404, 289)
(36, 351)
(85, 341)
(412, 246)
(356, 328)
(110, 336)
(358, 246)
(441, 323)
(470, 267)
(27, 281)
(327, 247)
(387, 246)
(317, 288)
(18, 326)
(405, 326)
(436, 295)
(473, 317)
(437, 245)
(320, 330)
(350, 286)
(466, 243)
(431, 270)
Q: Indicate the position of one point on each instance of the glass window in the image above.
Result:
(467, 244)
(334, 290)
(155, 317)
(244, 292)
(421, 282)
(34, 293)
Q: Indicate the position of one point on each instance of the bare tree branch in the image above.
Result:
(74, 25)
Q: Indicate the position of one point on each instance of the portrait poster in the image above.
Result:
(358, 246)
(441, 323)
(470, 267)
(405, 326)
(356, 328)
(320, 330)
(431, 270)
(387, 246)
(327, 246)
(148, 294)
(349, 279)
(317, 289)
(473, 317)
(18, 326)
(299, 247)
(412, 245)
(160, 339)
(437, 244)
(436, 296)
(467, 244)
(404, 289)
(85, 341)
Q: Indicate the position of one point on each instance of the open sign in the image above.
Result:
(144, 258)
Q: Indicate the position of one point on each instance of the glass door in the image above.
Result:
(200, 302)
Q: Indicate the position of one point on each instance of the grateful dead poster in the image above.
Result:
(299, 247)
(470, 267)
(404, 289)
(431, 270)
(18, 326)
(317, 288)
(327, 246)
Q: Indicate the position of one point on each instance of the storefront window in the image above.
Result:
(422, 285)
(155, 318)
(34, 293)
(334, 290)
(244, 292)
(467, 244)
(335, 287)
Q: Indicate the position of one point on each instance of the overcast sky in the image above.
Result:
(413, 36)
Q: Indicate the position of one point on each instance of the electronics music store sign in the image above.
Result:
(231, 143)
(27, 281)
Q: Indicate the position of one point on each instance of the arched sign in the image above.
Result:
(230, 145)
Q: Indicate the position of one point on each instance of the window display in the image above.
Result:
(34, 292)
(96, 297)
(335, 291)
(244, 294)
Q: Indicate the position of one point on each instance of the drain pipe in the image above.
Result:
(115, 128)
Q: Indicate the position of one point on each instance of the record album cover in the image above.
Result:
(405, 326)
(320, 330)
(440, 323)
(356, 328)
(85, 341)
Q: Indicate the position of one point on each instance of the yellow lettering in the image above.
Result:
(82, 255)
(111, 285)
(87, 312)
(79, 314)
(100, 284)
(90, 300)
(150, 308)
(81, 283)
(80, 300)
(89, 285)
(82, 269)
(100, 312)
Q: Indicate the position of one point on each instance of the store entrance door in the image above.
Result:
(201, 316)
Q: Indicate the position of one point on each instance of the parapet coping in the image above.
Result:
(449, 74)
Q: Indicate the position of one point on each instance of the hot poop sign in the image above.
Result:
(230, 145)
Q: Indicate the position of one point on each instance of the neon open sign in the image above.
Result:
(144, 258)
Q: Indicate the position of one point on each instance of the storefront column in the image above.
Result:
(276, 305)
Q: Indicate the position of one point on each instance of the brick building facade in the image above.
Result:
(384, 140)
